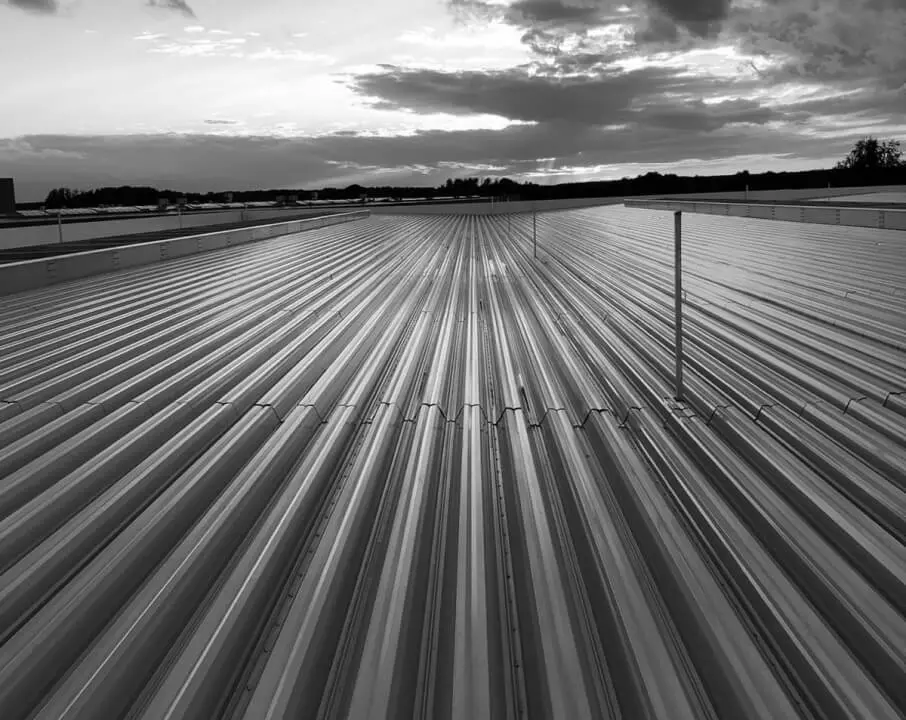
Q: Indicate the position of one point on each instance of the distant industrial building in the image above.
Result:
(7, 196)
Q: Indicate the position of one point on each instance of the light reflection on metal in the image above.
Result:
(534, 234)
(678, 300)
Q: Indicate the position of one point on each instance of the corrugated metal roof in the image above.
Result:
(398, 468)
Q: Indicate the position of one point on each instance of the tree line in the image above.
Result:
(870, 162)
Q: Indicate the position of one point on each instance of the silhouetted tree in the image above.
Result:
(59, 197)
(869, 153)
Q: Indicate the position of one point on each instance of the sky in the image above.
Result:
(229, 94)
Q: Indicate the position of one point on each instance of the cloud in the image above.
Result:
(179, 6)
(555, 12)
(16, 149)
(50, 7)
(471, 11)
(699, 17)
(36, 6)
(220, 43)
(700, 116)
(211, 162)
(857, 104)
(293, 55)
(221, 122)
(609, 97)
(658, 29)
(835, 40)
(826, 39)
(198, 45)
(848, 49)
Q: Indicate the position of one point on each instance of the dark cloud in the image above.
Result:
(609, 97)
(697, 115)
(205, 162)
(37, 6)
(702, 18)
(835, 40)
(694, 13)
(556, 12)
(551, 25)
(179, 6)
(544, 42)
(513, 94)
(659, 29)
(816, 39)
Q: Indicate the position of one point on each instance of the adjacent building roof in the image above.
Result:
(895, 196)
(402, 468)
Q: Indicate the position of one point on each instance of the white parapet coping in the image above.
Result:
(825, 213)
(33, 274)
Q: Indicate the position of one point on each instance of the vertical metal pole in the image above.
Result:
(534, 234)
(678, 298)
(179, 213)
(747, 192)
(60, 224)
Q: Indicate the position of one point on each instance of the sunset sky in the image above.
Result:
(227, 94)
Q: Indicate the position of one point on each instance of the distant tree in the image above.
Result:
(871, 162)
(869, 153)
(59, 197)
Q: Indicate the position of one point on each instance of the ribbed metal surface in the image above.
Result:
(399, 469)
